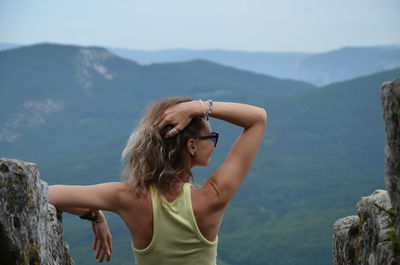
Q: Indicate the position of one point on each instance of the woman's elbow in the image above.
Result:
(263, 116)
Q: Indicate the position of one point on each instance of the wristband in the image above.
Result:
(202, 107)
(210, 108)
(92, 215)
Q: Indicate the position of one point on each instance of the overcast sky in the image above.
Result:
(251, 25)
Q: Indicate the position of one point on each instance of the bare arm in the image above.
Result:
(225, 181)
(77, 199)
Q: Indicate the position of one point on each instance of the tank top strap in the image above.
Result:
(155, 209)
(176, 236)
(192, 218)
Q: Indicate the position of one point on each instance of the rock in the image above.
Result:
(365, 239)
(391, 113)
(374, 246)
(344, 241)
(372, 237)
(30, 229)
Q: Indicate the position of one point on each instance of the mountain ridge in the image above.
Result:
(321, 152)
(51, 81)
(317, 68)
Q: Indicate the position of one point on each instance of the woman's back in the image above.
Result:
(173, 137)
(168, 230)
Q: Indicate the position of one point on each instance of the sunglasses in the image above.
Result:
(213, 137)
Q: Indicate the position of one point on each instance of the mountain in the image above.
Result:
(279, 64)
(46, 87)
(7, 46)
(347, 63)
(72, 109)
(316, 68)
(323, 149)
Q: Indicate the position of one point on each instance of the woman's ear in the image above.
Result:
(191, 147)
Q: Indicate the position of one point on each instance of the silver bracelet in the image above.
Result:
(202, 107)
(210, 108)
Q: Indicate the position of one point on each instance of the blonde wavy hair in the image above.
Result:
(152, 159)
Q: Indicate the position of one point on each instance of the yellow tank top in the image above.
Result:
(176, 237)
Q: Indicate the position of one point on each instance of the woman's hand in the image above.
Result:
(179, 116)
(102, 240)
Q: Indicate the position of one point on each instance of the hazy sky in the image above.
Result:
(253, 25)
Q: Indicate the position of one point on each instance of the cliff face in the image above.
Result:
(372, 237)
(30, 230)
(391, 115)
(365, 239)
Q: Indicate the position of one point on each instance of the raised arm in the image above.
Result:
(225, 181)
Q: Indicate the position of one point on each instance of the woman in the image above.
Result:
(170, 221)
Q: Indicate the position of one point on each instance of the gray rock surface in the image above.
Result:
(374, 244)
(344, 240)
(391, 113)
(365, 239)
(372, 237)
(30, 229)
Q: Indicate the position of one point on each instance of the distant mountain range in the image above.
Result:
(7, 46)
(315, 68)
(348, 63)
(318, 69)
(83, 87)
(71, 109)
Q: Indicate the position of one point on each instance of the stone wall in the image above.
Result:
(30, 229)
(372, 237)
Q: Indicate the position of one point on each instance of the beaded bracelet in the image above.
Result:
(92, 215)
(210, 108)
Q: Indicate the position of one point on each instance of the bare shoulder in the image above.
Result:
(210, 197)
(126, 194)
(122, 193)
(115, 188)
(207, 211)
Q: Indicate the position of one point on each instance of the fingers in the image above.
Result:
(94, 238)
(103, 248)
(173, 132)
(101, 255)
(102, 241)
(162, 122)
(103, 252)
(98, 250)
(165, 120)
(109, 241)
(95, 242)
(177, 120)
(108, 256)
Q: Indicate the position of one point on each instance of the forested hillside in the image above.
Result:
(71, 109)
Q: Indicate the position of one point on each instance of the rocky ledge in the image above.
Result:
(368, 237)
(30, 229)
(372, 237)
(391, 114)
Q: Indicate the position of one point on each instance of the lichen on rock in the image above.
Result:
(391, 113)
(372, 237)
(365, 239)
(344, 242)
(30, 229)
